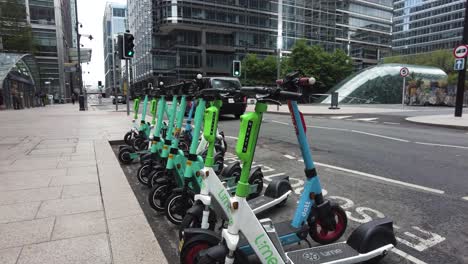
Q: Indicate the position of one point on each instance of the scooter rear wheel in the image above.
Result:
(143, 173)
(124, 156)
(176, 207)
(157, 197)
(323, 236)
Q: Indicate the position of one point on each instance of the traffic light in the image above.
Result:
(128, 46)
(119, 51)
(99, 83)
(236, 68)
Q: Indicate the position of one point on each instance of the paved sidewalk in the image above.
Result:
(315, 109)
(442, 120)
(63, 196)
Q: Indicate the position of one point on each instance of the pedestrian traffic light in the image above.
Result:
(236, 68)
(128, 46)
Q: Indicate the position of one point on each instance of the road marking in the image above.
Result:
(380, 136)
(278, 122)
(391, 123)
(289, 157)
(441, 145)
(407, 184)
(407, 256)
(329, 128)
(339, 117)
(230, 137)
(366, 119)
(465, 198)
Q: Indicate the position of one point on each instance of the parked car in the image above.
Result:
(232, 105)
(121, 99)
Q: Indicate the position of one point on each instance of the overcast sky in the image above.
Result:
(90, 14)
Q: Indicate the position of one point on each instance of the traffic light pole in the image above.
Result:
(127, 68)
(462, 73)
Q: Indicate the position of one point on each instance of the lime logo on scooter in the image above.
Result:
(265, 250)
(247, 136)
(224, 198)
(311, 256)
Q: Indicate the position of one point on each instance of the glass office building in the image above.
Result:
(115, 16)
(423, 26)
(177, 39)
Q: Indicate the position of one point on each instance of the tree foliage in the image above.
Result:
(15, 32)
(442, 59)
(327, 68)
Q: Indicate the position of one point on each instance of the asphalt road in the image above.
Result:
(374, 166)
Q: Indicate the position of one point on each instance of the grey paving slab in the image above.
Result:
(26, 232)
(81, 250)
(32, 172)
(75, 225)
(78, 190)
(88, 170)
(69, 206)
(30, 195)
(122, 203)
(133, 242)
(45, 163)
(9, 255)
(9, 183)
(76, 163)
(18, 212)
(75, 179)
(52, 151)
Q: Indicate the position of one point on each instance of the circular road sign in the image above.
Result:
(404, 72)
(460, 51)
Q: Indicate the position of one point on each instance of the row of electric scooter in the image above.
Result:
(215, 205)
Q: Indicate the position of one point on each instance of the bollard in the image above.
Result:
(334, 101)
(81, 101)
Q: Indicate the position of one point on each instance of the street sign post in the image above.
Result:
(461, 52)
(403, 73)
(459, 64)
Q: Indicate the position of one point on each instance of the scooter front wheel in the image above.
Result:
(194, 221)
(154, 175)
(124, 156)
(190, 252)
(128, 138)
(323, 236)
(157, 197)
(143, 173)
(176, 206)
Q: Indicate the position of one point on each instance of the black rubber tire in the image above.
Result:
(156, 174)
(256, 178)
(128, 138)
(187, 254)
(194, 221)
(218, 164)
(282, 190)
(175, 200)
(124, 156)
(137, 142)
(143, 145)
(237, 116)
(144, 172)
(157, 197)
(337, 212)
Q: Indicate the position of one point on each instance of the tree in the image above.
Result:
(442, 59)
(15, 32)
(327, 68)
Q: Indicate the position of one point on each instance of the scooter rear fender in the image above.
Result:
(273, 188)
(372, 235)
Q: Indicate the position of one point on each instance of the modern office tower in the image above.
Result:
(424, 26)
(113, 25)
(177, 39)
(365, 30)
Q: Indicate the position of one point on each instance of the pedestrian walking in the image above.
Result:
(73, 98)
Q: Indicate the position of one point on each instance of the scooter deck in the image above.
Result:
(287, 234)
(259, 201)
(323, 254)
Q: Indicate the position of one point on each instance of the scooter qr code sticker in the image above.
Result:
(231, 100)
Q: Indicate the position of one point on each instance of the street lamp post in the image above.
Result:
(80, 77)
